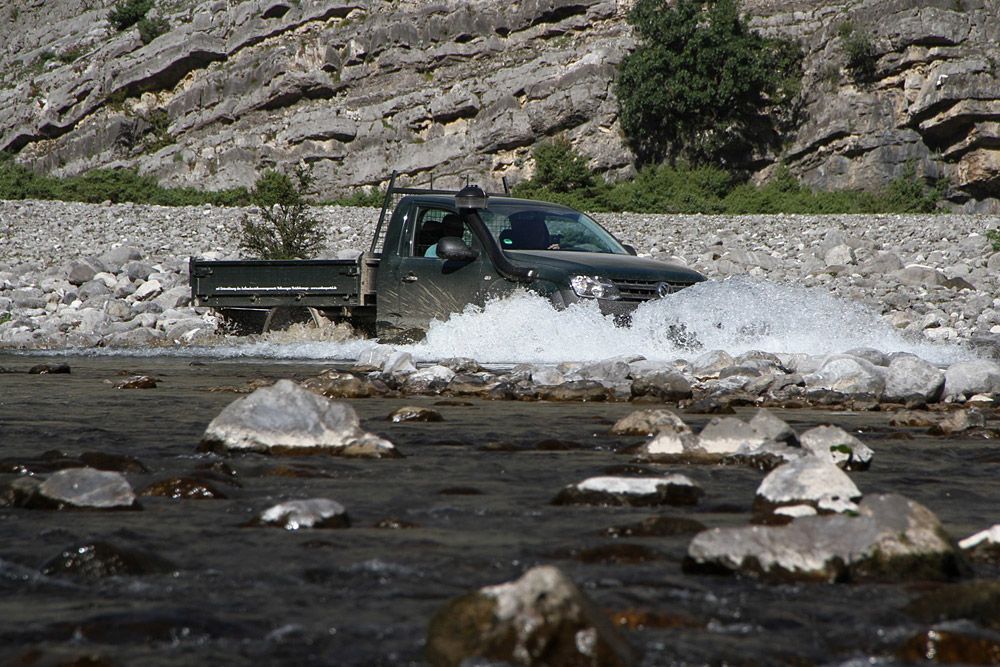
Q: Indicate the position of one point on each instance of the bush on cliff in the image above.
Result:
(702, 86)
(286, 229)
(126, 13)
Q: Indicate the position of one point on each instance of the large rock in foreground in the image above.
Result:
(287, 419)
(540, 619)
(891, 538)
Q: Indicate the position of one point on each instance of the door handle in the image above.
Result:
(410, 278)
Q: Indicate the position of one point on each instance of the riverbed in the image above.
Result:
(468, 505)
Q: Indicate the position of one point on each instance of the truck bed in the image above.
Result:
(316, 283)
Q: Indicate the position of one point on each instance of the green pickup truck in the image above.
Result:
(439, 252)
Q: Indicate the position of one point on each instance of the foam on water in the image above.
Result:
(735, 315)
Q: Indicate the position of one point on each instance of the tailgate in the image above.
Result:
(268, 283)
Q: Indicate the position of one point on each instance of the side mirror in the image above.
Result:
(631, 249)
(452, 247)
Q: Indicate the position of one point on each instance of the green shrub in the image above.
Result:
(127, 13)
(559, 168)
(701, 85)
(994, 236)
(285, 230)
(860, 53)
(151, 28)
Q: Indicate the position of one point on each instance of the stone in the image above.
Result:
(100, 559)
(967, 378)
(649, 422)
(847, 375)
(187, 488)
(667, 386)
(136, 382)
(87, 488)
(710, 363)
(727, 435)
(631, 491)
(300, 514)
(414, 413)
(837, 445)
(958, 421)
(771, 427)
(432, 379)
(541, 618)
(983, 546)
(398, 363)
(913, 379)
(810, 480)
(337, 384)
(670, 446)
(286, 418)
(890, 538)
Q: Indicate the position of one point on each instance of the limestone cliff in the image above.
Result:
(449, 88)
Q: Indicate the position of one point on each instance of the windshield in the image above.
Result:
(537, 226)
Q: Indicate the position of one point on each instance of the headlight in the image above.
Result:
(594, 287)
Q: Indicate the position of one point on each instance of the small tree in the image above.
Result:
(860, 53)
(702, 86)
(126, 13)
(285, 229)
(559, 168)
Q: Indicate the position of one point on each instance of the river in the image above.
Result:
(469, 505)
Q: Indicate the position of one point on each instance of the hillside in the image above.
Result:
(467, 87)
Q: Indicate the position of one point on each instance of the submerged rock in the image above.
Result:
(983, 546)
(649, 422)
(890, 538)
(183, 487)
(414, 413)
(99, 559)
(633, 491)
(298, 514)
(83, 488)
(540, 619)
(337, 384)
(285, 418)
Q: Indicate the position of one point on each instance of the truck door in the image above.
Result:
(418, 286)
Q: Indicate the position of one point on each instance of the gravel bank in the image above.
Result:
(115, 275)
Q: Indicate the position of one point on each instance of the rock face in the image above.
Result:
(891, 538)
(452, 88)
(285, 418)
(540, 619)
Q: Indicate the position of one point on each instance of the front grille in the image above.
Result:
(644, 290)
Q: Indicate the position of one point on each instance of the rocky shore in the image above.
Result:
(84, 276)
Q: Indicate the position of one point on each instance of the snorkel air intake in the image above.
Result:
(470, 200)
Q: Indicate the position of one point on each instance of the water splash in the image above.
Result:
(734, 315)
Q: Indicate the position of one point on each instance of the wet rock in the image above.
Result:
(430, 380)
(461, 365)
(958, 422)
(891, 538)
(541, 618)
(727, 435)
(657, 526)
(631, 491)
(711, 363)
(810, 480)
(847, 375)
(84, 488)
(183, 488)
(983, 546)
(59, 657)
(136, 382)
(337, 384)
(472, 384)
(910, 379)
(666, 386)
(285, 418)
(298, 514)
(649, 422)
(967, 378)
(671, 446)
(99, 559)
(952, 646)
(413, 413)
(49, 369)
(392, 523)
(767, 456)
(398, 363)
(576, 390)
(913, 418)
(836, 444)
(114, 462)
(773, 428)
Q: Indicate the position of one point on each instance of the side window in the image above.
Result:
(431, 225)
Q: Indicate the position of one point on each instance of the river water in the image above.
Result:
(468, 506)
(473, 496)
